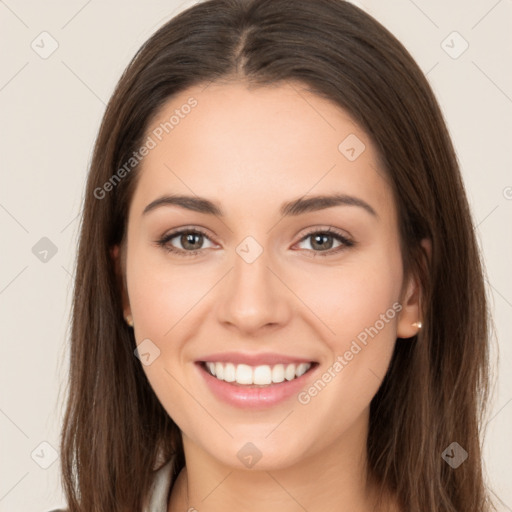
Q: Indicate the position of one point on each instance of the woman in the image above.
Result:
(279, 301)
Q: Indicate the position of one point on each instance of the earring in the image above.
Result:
(419, 325)
(129, 320)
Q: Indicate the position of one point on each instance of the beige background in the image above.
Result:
(50, 113)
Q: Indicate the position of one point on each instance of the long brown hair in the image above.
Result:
(436, 388)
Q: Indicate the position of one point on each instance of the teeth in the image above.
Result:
(229, 372)
(290, 371)
(243, 374)
(262, 375)
(278, 373)
(219, 371)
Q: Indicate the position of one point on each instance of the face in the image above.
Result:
(253, 279)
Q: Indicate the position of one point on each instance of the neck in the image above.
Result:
(332, 479)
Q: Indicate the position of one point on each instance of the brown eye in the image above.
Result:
(190, 240)
(322, 241)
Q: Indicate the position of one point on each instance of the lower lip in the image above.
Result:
(253, 397)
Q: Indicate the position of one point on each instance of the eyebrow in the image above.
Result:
(291, 208)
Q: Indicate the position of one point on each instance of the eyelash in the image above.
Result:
(346, 243)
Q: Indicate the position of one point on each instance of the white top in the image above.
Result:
(159, 490)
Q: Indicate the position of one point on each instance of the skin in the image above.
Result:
(250, 151)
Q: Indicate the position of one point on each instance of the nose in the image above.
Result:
(254, 295)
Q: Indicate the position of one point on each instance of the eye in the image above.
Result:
(323, 240)
(191, 241)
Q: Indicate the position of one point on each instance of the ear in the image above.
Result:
(117, 258)
(411, 301)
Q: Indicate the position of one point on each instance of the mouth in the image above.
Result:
(255, 381)
(260, 376)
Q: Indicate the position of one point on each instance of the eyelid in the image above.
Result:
(325, 229)
(346, 241)
(165, 239)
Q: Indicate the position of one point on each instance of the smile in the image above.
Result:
(255, 386)
(262, 375)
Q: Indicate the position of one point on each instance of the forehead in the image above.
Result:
(261, 145)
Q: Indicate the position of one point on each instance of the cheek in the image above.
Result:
(350, 297)
(161, 301)
(357, 308)
(161, 294)
(342, 301)
(362, 311)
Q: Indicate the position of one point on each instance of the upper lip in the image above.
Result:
(265, 358)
